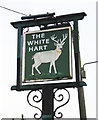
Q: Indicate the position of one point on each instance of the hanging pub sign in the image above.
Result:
(47, 55)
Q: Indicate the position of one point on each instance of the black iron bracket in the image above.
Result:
(36, 99)
(36, 95)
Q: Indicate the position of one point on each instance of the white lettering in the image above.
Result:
(47, 41)
(43, 35)
(40, 47)
(30, 43)
(43, 41)
(30, 49)
(33, 36)
(37, 36)
(36, 42)
(45, 47)
(39, 41)
(35, 49)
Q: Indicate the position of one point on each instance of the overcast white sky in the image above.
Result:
(13, 103)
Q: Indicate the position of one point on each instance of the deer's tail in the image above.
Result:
(32, 57)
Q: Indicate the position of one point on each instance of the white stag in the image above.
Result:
(49, 56)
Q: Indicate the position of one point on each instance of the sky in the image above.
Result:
(13, 103)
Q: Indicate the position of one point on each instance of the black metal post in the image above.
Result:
(47, 103)
(19, 58)
(81, 98)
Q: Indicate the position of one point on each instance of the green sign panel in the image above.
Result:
(47, 55)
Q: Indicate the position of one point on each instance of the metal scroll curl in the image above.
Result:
(36, 99)
(60, 98)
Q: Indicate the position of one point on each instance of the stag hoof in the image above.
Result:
(55, 72)
(32, 73)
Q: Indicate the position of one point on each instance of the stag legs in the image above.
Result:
(50, 67)
(52, 63)
(36, 67)
(38, 64)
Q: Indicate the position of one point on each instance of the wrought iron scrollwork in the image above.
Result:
(35, 99)
(60, 98)
(38, 98)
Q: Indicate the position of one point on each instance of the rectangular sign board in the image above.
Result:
(47, 55)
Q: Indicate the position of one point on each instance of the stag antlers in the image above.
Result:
(53, 37)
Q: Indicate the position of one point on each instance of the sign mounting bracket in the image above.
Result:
(49, 21)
